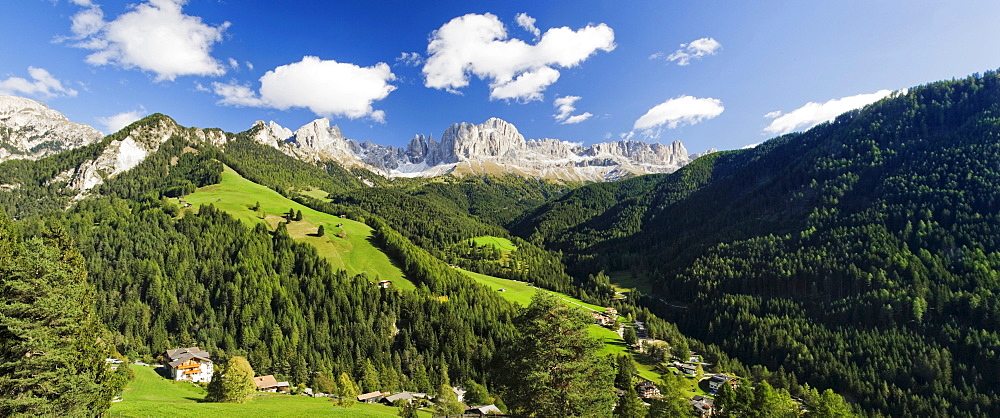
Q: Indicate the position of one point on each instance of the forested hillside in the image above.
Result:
(861, 254)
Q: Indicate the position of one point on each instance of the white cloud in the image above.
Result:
(812, 113)
(117, 122)
(772, 115)
(528, 23)
(692, 50)
(42, 84)
(478, 45)
(154, 36)
(410, 59)
(676, 112)
(326, 87)
(249, 65)
(566, 106)
(754, 145)
(234, 64)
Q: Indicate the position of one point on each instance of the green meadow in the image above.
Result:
(520, 293)
(346, 244)
(151, 395)
(502, 244)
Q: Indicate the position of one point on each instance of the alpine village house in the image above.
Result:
(190, 364)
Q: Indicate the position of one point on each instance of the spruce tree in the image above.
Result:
(556, 369)
(629, 405)
(51, 357)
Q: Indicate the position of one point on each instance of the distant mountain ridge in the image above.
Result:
(31, 130)
(493, 147)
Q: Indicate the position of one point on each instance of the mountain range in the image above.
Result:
(31, 131)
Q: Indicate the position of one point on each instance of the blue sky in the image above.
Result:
(711, 74)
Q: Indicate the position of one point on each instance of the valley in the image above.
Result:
(848, 268)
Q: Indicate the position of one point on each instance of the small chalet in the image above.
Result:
(270, 384)
(385, 284)
(647, 390)
(483, 410)
(717, 381)
(601, 319)
(611, 312)
(687, 368)
(702, 406)
(371, 397)
(190, 364)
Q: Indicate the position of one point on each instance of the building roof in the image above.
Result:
(264, 382)
(178, 356)
(484, 409)
(370, 395)
(408, 396)
(719, 379)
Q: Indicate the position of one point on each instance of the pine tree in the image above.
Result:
(629, 336)
(234, 383)
(321, 231)
(626, 369)
(559, 370)
(51, 358)
(629, 405)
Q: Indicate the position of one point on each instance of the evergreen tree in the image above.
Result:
(234, 383)
(629, 336)
(51, 357)
(556, 370)
(626, 369)
(321, 231)
(674, 401)
(629, 405)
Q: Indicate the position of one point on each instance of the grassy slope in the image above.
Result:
(150, 395)
(520, 293)
(355, 253)
(503, 244)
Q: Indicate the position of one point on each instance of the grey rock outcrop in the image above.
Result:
(30, 130)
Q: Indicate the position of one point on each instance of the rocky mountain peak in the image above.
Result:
(31, 130)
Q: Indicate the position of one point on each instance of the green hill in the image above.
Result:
(860, 255)
(353, 252)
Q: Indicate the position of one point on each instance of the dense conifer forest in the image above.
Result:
(859, 256)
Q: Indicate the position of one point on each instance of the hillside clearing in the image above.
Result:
(151, 395)
(346, 243)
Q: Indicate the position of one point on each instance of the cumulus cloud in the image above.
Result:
(478, 45)
(812, 113)
(683, 110)
(690, 51)
(566, 105)
(772, 115)
(154, 36)
(326, 87)
(119, 121)
(410, 59)
(42, 84)
(528, 23)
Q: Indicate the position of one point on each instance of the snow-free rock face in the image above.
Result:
(30, 130)
(492, 147)
(496, 147)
